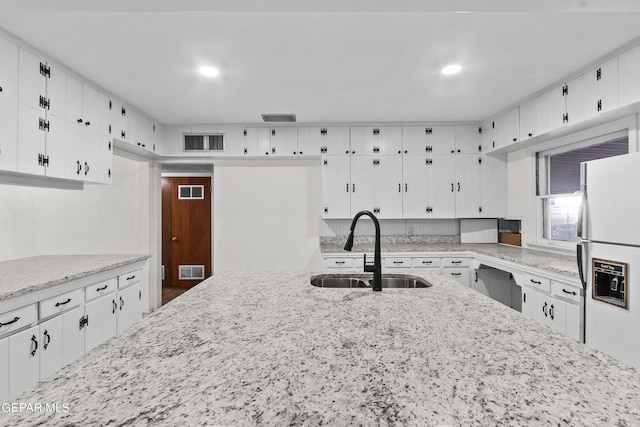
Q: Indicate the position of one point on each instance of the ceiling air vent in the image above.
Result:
(279, 117)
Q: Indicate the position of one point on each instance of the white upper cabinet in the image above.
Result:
(8, 70)
(467, 139)
(376, 140)
(628, 76)
(326, 141)
(429, 140)
(8, 105)
(284, 141)
(32, 83)
(600, 89)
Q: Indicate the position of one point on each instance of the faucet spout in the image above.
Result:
(376, 268)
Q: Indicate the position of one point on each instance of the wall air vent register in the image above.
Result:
(204, 142)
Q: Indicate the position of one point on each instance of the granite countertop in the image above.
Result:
(24, 275)
(559, 263)
(268, 348)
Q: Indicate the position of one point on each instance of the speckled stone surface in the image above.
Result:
(24, 275)
(562, 264)
(269, 349)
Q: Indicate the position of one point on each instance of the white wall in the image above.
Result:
(518, 188)
(99, 219)
(266, 218)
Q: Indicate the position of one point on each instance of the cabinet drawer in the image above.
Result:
(537, 282)
(397, 262)
(60, 303)
(566, 291)
(455, 262)
(97, 290)
(461, 275)
(128, 279)
(16, 319)
(426, 262)
(339, 262)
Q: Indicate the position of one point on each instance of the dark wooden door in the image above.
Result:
(186, 230)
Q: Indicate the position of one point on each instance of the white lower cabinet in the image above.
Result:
(4, 370)
(460, 275)
(50, 346)
(563, 316)
(129, 311)
(101, 311)
(24, 360)
(38, 339)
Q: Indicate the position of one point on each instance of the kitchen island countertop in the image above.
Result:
(268, 348)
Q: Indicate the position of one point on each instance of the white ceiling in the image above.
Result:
(325, 61)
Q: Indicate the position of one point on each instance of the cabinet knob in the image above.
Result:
(79, 120)
(174, 239)
(0, 88)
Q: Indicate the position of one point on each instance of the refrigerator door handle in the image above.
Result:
(583, 206)
(579, 252)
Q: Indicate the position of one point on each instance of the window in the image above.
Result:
(558, 185)
(190, 192)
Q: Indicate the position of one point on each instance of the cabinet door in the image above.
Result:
(467, 185)
(441, 198)
(551, 312)
(501, 287)
(72, 335)
(467, 140)
(529, 302)
(493, 187)
(51, 347)
(9, 132)
(362, 143)
(574, 103)
(309, 141)
(488, 139)
(414, 140)
(336, 187)
(8, 70)
(389, 186)
(24, 360)
(482, 281)
(414, 198)
(57, 92)
(102, 321)
(389, 140)
(4, 370)
(31, 140)
(284, 141)
(129, 309)
(31, 84)
(573, 317)
(363, 180)
(529, 125)
(263, 140)
(337, 140)
(600, 89)
(56, 147)
(441, 139)
(629, 83)
(557, 107)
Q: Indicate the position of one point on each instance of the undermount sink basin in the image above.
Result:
(365, 281)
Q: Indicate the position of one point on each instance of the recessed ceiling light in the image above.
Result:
(209, 71)
(451, 69)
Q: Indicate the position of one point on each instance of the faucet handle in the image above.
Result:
(368, 267)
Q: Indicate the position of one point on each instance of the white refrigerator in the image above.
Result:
(609, 255)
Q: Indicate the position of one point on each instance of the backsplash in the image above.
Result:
(387, 240)
(399, 228)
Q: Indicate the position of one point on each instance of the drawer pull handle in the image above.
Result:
(102, 288)
(15, 319)
(551, 311)
(115, 306)
(34, 345)
(537, 282)
(48, 337)
(544, 309)
(427, 262)
(121, 303)
(131, 277)
(58, 304)
(456, 262)
(340, 262)
(569, 292)
(456, 274)
(398, 262)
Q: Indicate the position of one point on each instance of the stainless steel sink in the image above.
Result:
(356, 280)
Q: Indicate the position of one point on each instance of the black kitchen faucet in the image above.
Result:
(376, 268)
